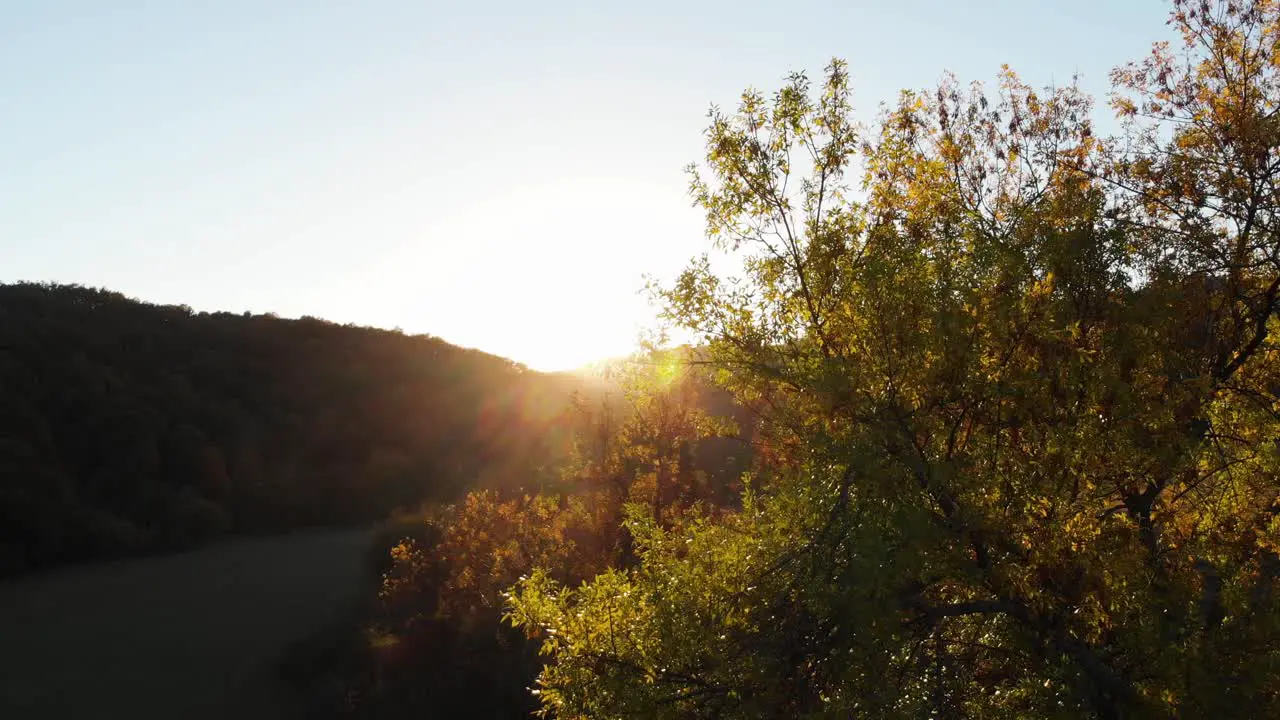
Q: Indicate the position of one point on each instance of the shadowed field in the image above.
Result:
(196, 635)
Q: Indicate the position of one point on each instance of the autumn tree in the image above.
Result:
(436, 645)
(639, 440)
(1019, 388)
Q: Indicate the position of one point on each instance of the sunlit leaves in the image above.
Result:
(1018, 410)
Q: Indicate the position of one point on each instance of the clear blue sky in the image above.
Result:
(496, 173)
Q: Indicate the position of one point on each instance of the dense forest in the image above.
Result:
(127, 427)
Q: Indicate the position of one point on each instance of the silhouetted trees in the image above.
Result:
(127, 426)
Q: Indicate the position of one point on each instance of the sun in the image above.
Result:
(574, 357)
(569, 347)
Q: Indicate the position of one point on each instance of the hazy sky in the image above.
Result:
(499, 174)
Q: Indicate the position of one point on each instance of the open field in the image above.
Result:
(195, 635)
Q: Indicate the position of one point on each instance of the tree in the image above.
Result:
(440, 648)
(1019, 452)
(639, 440)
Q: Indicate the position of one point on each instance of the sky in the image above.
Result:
(500, 174)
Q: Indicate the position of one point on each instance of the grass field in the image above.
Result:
(191, 636)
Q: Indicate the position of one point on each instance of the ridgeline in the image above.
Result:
(128, 427)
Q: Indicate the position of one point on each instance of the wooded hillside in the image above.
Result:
(127, 426)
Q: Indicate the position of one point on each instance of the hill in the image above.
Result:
(129, 427)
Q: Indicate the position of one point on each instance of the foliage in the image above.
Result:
(437, 628)
(126, 426)
(1017, 383)
(485, 543)
(662, 435)
(438, 645)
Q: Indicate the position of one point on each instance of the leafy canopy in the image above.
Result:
(1017, 453)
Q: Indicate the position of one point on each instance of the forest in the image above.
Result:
(979, 418)
(127, 427)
